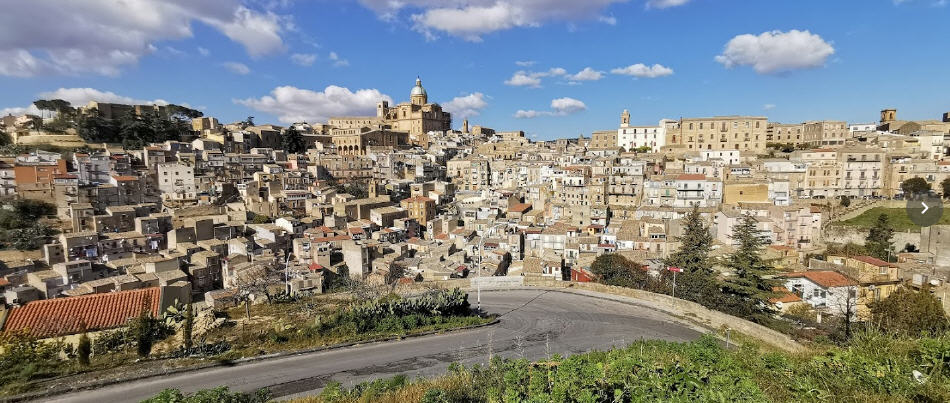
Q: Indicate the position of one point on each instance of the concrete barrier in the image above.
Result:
(498, 282)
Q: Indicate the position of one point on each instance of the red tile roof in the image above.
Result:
(4, 282)
(784, 296)
(872, 260)
(825, 279)
(519, 208)
(64, 316)
(124, 178)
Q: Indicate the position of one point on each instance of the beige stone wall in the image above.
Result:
(744, 133)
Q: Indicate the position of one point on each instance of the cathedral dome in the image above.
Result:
(418, 90)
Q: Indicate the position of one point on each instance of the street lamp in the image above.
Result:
(481, 247)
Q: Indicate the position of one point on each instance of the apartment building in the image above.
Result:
(744, 133)
(825, 133)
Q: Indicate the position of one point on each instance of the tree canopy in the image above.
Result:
(293, 141)
(915, 186)
(751, 281)
(695, 244)
(878, 242)
(909, 312)
(614, 269)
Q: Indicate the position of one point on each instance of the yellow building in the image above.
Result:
(420, 208)
(745, 192)
(877, 279)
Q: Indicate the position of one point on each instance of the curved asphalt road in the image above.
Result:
(534, 324)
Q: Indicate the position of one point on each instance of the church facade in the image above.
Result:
(417, 117)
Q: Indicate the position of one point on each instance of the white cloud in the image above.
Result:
(530, 114)
(291, 104)
(525, 63)
(203, 51)
(470, 19)
(303, 59)
(566, 106)
(17, 111)
(338, 61)
(768, 107)
(665, 3)
(80, 97)
(643, 71)
(466, 106)
(237, 68)
(776, 51)
(588, 74)
(934, 3)
(258, 32)
(523, 79)
(46, 37)
(559, 107)
(609, 20)
(532, 79)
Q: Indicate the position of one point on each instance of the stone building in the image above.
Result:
(417, 117)
(744, 133)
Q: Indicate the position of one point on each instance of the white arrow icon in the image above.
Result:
(925, 208)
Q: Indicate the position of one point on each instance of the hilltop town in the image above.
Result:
(220, 214)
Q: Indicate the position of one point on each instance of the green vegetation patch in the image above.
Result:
(896, 216)
(874, 368)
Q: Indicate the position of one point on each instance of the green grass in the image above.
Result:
(896, 216)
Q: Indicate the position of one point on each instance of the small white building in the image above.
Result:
(633, 137)
(825, 290)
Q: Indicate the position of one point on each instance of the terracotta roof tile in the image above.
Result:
(784, 296)
(64, 316)
(872, 260)
(825, 279)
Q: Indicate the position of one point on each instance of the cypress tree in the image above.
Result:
(878, 242)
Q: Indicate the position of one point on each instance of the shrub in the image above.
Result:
(83, 349)
(216, 395)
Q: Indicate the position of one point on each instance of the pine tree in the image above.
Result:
(878, 242)
(695, 244)
(750, 282)
(293, 141)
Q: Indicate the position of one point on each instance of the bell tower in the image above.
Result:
(625, 118)
(888, 115)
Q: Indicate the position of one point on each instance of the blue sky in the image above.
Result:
(790, 60)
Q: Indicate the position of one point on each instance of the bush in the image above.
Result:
(23, 358)
(909, 312)
(876, 367)
(216, 395)
(83, 349)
